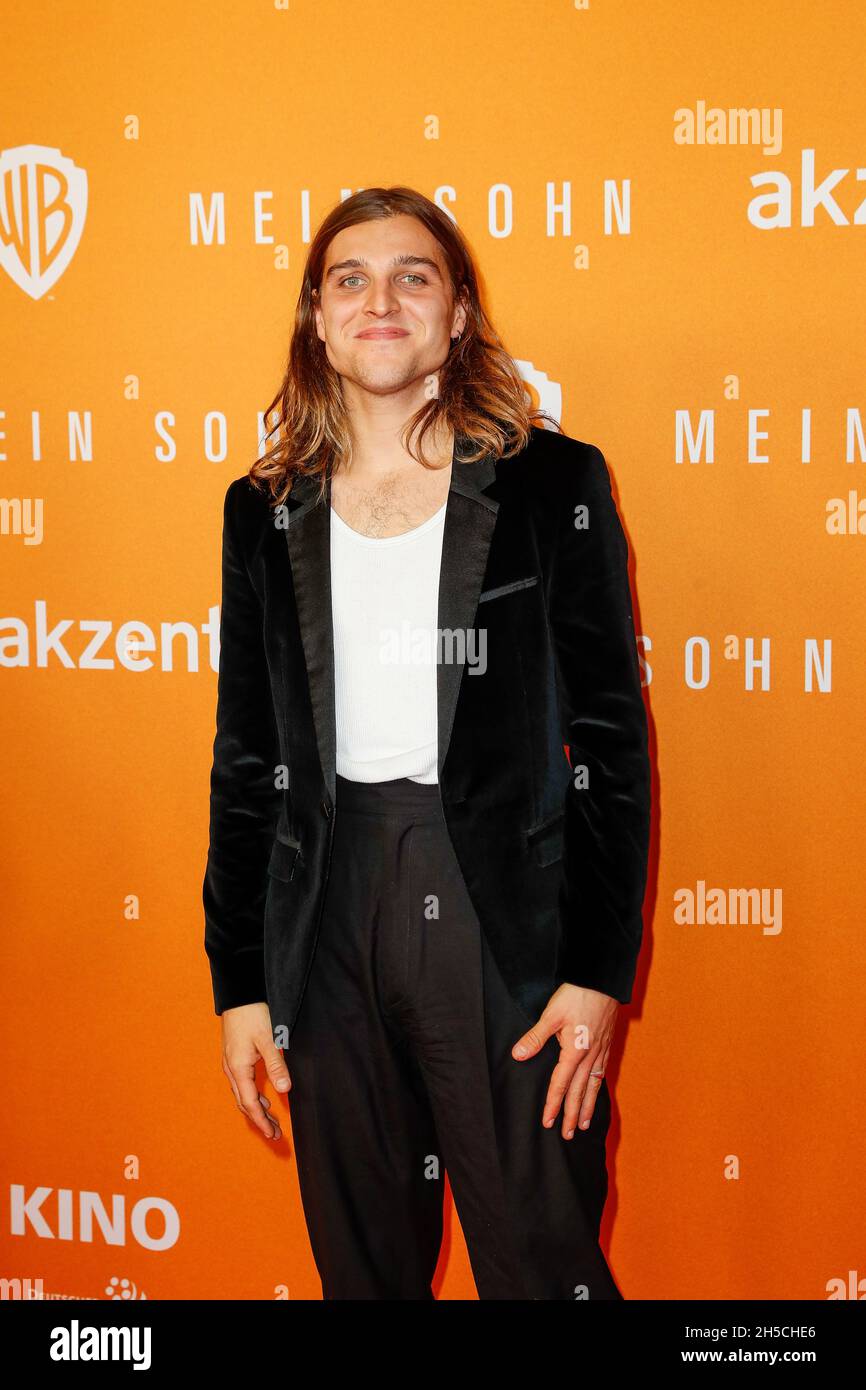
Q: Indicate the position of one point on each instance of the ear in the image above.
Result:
(320, 328)
(458, 322)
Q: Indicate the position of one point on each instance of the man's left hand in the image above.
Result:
(583, 1021)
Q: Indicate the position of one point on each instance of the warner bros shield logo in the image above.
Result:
(43, 204)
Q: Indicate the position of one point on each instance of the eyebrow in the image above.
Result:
(358, 263)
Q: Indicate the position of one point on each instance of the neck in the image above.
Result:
(377, 449)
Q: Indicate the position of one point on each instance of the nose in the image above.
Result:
(381, 298)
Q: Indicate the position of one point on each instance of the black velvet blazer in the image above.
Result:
(543, 764)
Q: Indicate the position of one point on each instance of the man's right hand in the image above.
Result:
(246, 1036)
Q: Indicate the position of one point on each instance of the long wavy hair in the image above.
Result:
(480, 393)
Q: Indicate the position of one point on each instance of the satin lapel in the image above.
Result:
(308, 536)
(469, 521)
(470, 517)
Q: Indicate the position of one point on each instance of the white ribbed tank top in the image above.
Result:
(385, 608)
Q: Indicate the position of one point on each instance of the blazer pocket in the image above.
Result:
(545, 840)
(508, 588)
(284, 858)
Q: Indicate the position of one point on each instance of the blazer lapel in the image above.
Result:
(470, 518)
(308, 537)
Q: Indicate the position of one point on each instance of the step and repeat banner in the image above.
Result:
(667, 203)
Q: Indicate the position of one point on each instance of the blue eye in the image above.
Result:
(410, 275)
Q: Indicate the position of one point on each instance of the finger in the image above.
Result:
(560, 1080)
(245, 1077)
(580, 1101)
(275, 1066)
(228, 1071)
(589, 1099)
(533, 1041)
(274, 1119)
(274, 1132)
(600, 1063)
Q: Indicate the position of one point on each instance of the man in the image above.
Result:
(430, 787)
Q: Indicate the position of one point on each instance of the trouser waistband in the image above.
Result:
(398, 797)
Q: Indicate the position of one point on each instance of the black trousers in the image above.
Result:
(401, 1070)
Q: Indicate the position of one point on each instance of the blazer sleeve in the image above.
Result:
(244, 803)
(604, 727)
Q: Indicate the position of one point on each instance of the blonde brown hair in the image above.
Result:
(480, 391)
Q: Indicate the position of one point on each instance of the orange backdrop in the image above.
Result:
(638, 272)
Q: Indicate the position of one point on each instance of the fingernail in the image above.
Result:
(585, 1124)
(520, 1051)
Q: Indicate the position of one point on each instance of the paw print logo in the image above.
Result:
(120, 1289)
(538, 383)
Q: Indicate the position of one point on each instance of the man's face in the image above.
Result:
(385, 309)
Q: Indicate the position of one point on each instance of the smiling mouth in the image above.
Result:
(384, 333)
